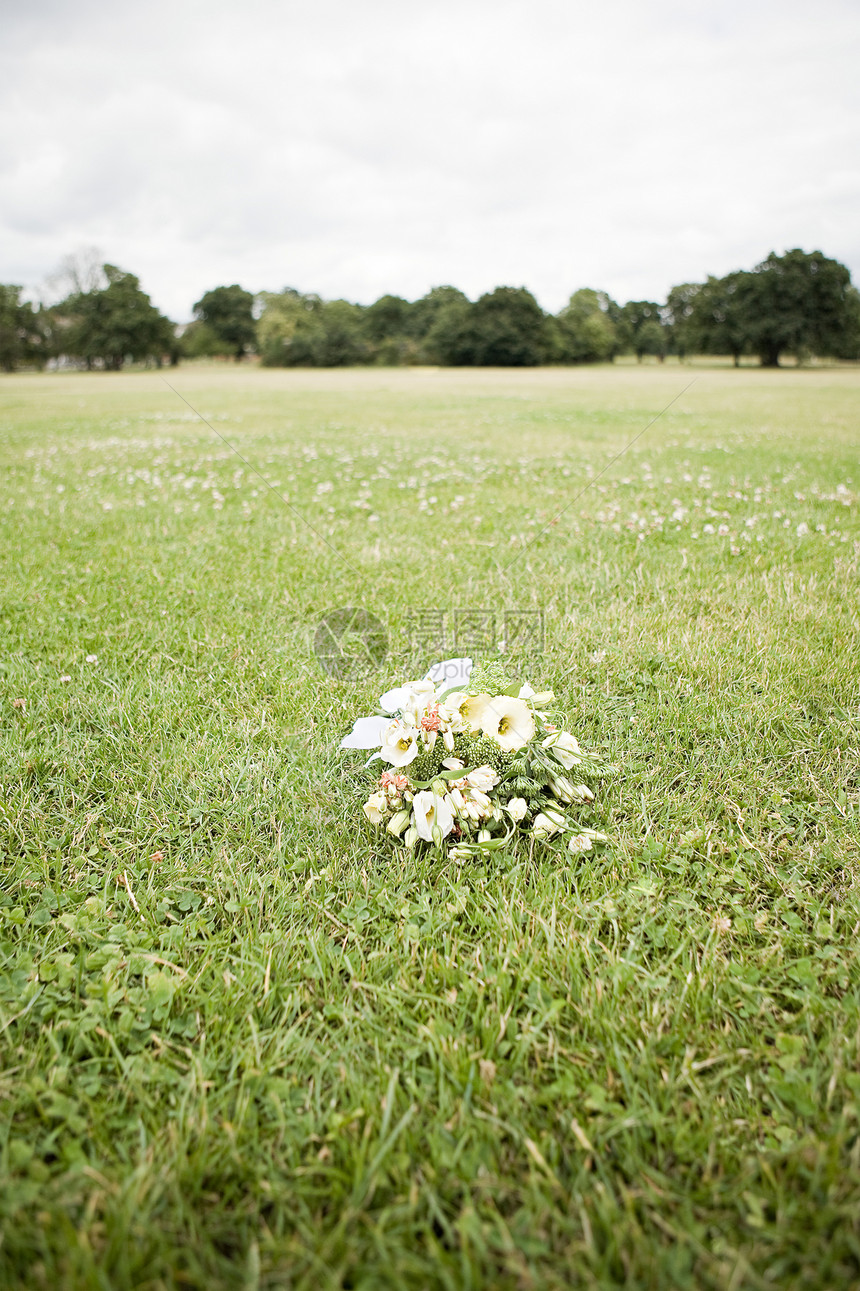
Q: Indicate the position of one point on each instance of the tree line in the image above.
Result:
(801, 304)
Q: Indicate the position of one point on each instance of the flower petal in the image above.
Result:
(367, 733)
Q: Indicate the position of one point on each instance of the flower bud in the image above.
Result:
(398, 823)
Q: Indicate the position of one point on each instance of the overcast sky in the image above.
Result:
(356, 147)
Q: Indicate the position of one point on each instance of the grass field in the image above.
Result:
(242, 1044)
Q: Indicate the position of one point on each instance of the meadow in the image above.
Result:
(245, 1043)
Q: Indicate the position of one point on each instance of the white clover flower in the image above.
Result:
(508, 721)
(400, 744)
(564, 748)
(579, 843)
(374, 808)
(517, 809)
(431, 813)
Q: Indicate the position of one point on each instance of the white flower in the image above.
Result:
(431, 813)
(517, 808)
(92, 658)
(367, 733)
(454, 764)
(579, 843)
(374, 808)
(462, 712)
(413, 695)
(508, 721)
(484, 778)
(547, 823)
(399, 745)
(451, 673)
(564, 749)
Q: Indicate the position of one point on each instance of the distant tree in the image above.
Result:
(504, 328)
(584, 331)
(342, 343)
(717, 322)
(800, 303)
(199, 341)
(450, 338)
(642, 328)
(678, 318)
(118, 322)
(23, 331)
(77, 274)
(228, 312)
(436, 321)
(298, 330)
(287, 320)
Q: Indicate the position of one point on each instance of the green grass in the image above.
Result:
(242, 1044)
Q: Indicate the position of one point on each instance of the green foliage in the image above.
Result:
(491, 678)
(199, 341)
(227, 312)
(504, 328)
(298, 330)
(242, 1046)
(23, 334)
(800, 303)
(585, 329)
(106, 326)
(642, 329)
(679, 318)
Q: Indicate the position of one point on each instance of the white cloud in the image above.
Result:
(357, 149)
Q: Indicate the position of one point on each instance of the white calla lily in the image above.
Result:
(367, 733)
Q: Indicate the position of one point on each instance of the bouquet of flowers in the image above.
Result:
(472, 760)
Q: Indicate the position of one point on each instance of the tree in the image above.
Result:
(113, 324)
(678, 317)
(435, 322)
(717, 323)
(799, 303)
(23, 334)
(642, 328)
(298, 330)
(504, 328)
(584, 330)
(228, 312)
